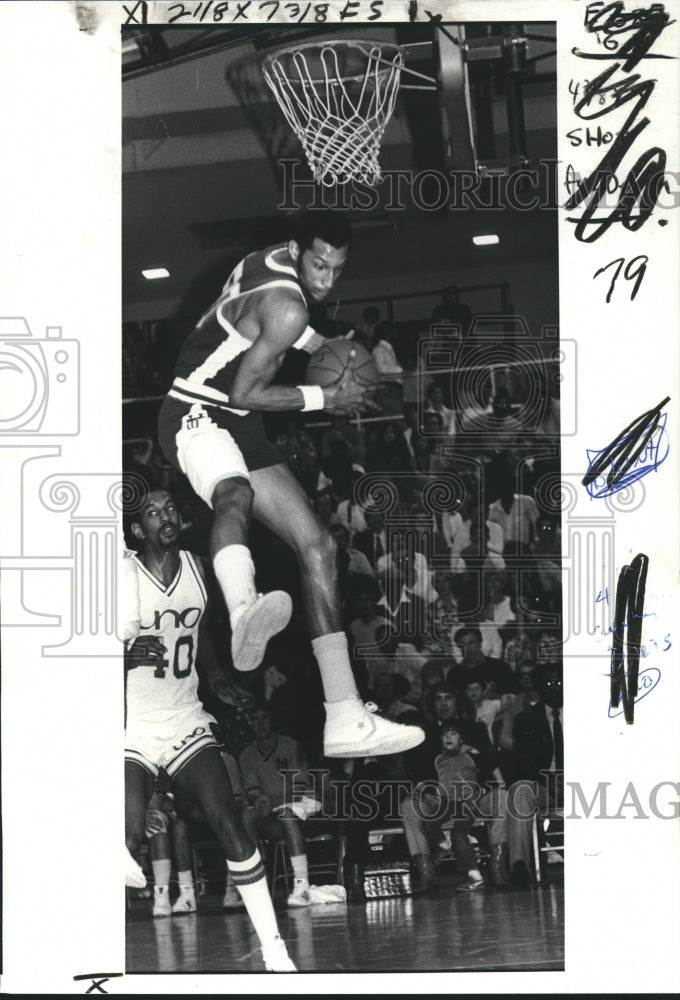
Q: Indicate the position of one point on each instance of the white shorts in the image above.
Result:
(209, 444)
(169, 742)
(207, 454)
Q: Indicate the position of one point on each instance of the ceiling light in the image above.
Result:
(486, 241)
(152, 273)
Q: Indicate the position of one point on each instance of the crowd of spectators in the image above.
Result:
(449, 567)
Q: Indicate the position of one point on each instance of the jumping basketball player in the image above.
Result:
(210, 427)
(167, 725)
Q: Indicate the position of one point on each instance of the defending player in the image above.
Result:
(166, 723)
(210, 427)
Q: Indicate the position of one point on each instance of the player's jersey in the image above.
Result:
(172, 613)
(210, 356)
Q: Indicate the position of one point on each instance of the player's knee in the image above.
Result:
(319, 550)
(233, 498)
(227, 824)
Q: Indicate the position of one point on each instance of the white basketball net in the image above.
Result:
(338, 119)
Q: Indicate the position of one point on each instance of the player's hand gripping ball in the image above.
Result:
(348, 370)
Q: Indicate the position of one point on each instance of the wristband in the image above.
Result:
(302, 341)
(313, 397)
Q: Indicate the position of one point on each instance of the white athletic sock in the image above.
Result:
(161, 872)
(249, 878)
(185, 880)
(475, 875)
(235, 574)
(332, 656)
(300, 868)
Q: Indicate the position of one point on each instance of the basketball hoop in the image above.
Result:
(337, 96)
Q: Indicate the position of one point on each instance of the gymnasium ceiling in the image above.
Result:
(200, 183)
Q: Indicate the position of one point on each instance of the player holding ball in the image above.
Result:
(211, 429)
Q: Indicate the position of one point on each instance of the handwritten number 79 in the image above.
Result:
(632, 272)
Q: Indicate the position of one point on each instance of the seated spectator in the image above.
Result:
(353, 436)
(412, 564)
(338, 469)
(526, 678)
(389, 690)
(443, 615)
(432, 673)
(549, 646)
(485, 547)
(325, 505)
(403, 609)
(486, 709)
(387, 450)
(501, 418)
(547, 549)
(497, 612)
(456, 526)
(411, 418)
(550, 422)
(459, 776)
(373, 541)
(351, 515)
(435, 402)
(535, 737)
(444, 704)
(358, 565)
(281, 803)
(364, 332)
(422, 811)
(408, 663)
(519, 646)
(516, 513)
(368, 628)
(498, 605)
(494, 673)
(384, 354)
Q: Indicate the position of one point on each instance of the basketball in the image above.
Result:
(328, 362)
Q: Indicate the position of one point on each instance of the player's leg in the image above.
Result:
(232, 899)
(214, 465)
(254, 619)
(287, 826)
(181, 849)
(138, 790)
(351, 731)
(417, 811)
(204, 779)
(160, 852)
(297, 849)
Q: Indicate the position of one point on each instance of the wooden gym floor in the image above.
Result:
(490, 930)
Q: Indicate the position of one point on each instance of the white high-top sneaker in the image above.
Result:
(161, 901)
(134, 876)
(266, 617)
(276, 957)
(300, 896)
(186, 901)
(356, 730)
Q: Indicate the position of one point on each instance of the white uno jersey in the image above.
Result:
(172, 613)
